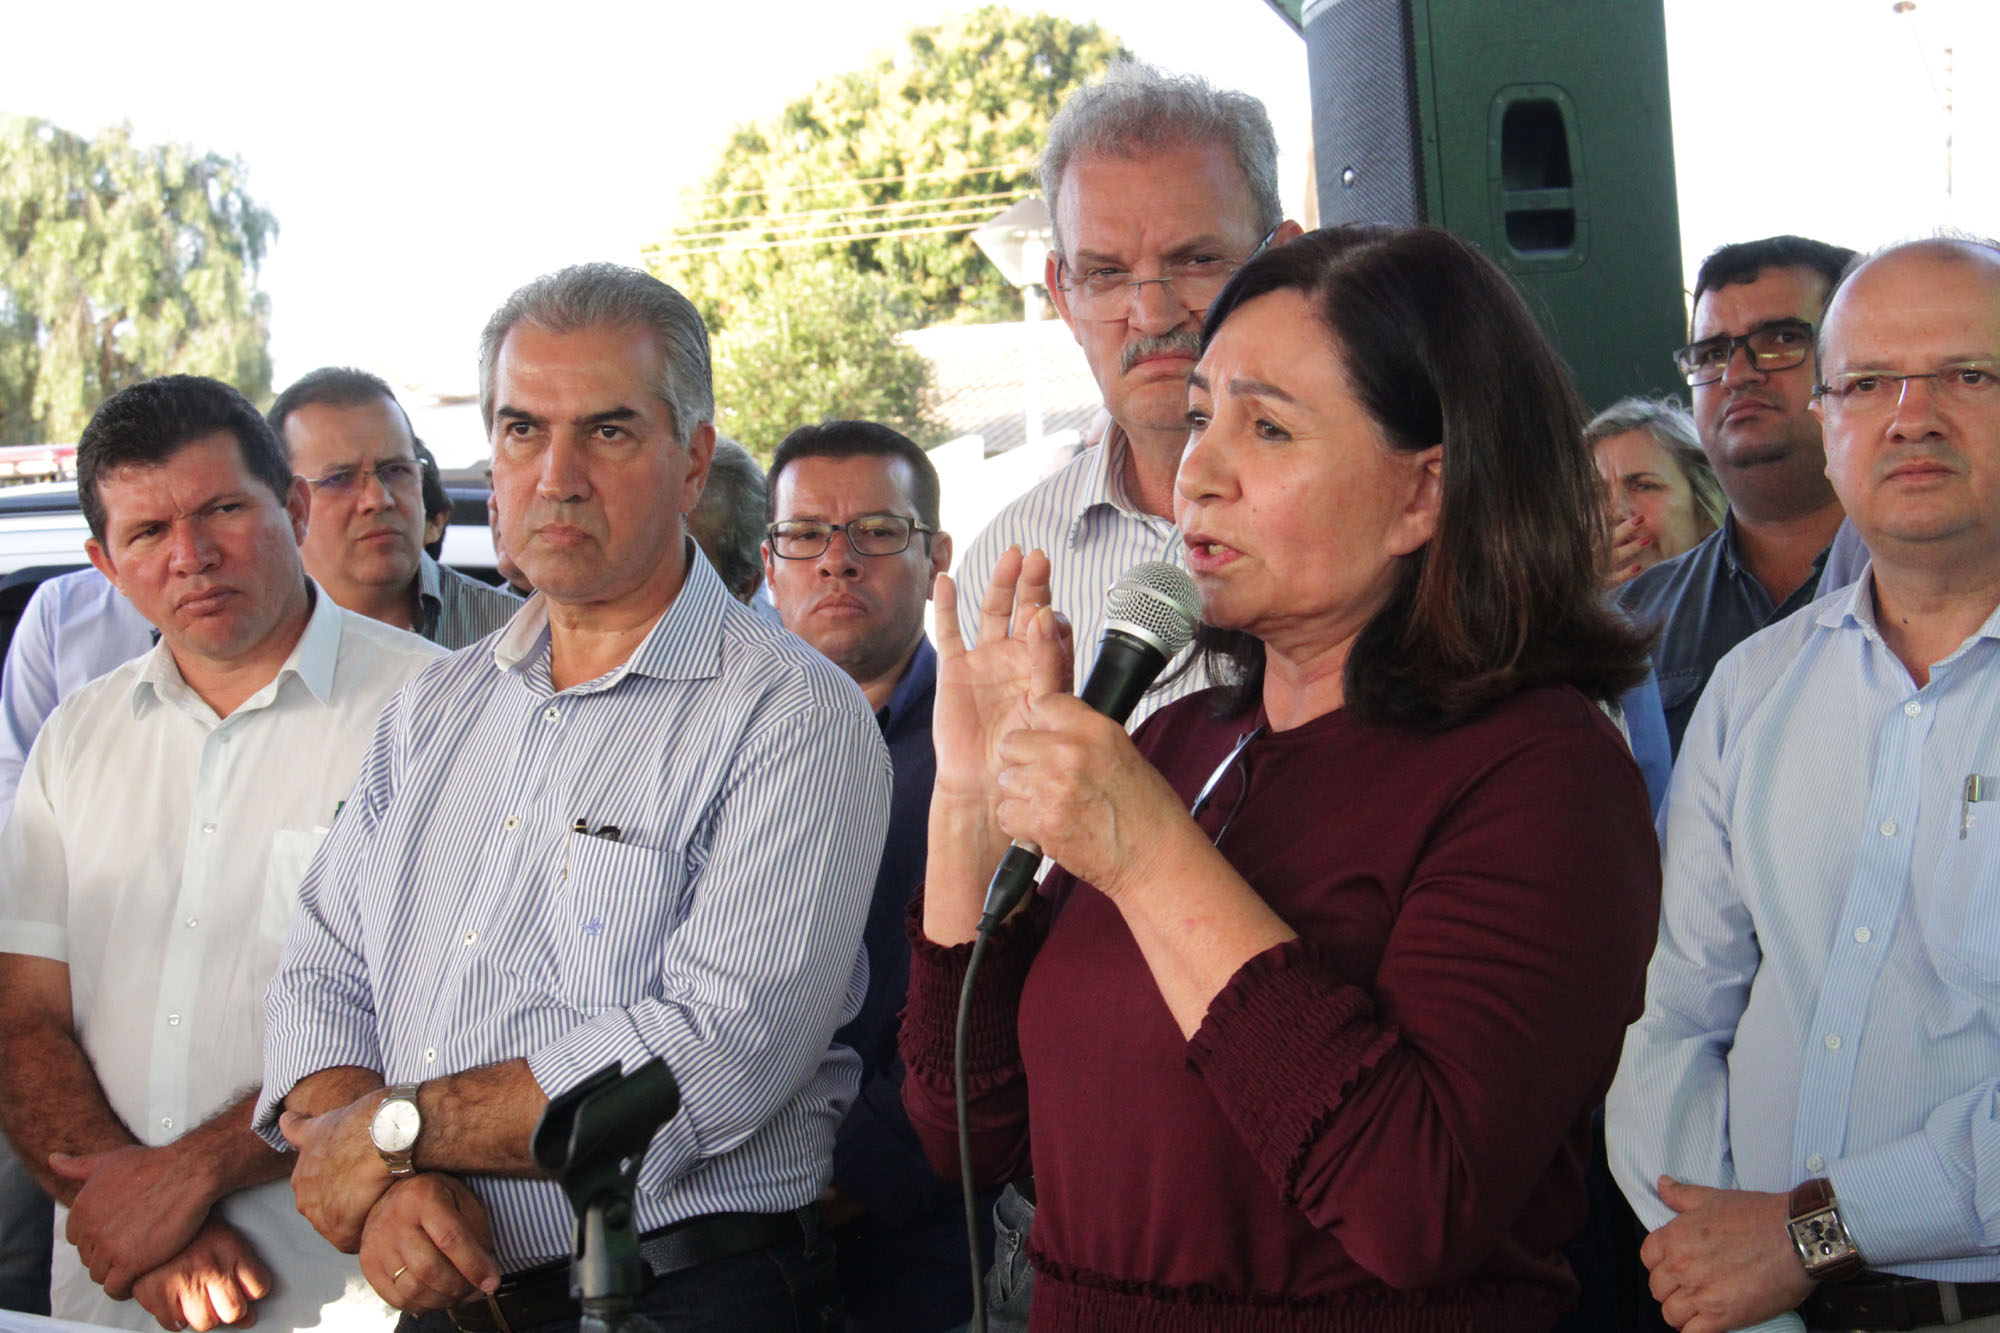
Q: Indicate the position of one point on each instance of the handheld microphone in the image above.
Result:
(1150, 615)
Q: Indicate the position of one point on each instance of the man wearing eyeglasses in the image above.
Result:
(850, 553)
(1749, 368)
(1806, 1110)
(1159, 188)
(350, 440)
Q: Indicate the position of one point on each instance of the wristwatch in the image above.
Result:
(1820, 1236)
(395, 1127)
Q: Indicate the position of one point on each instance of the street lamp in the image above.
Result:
(1016, 240)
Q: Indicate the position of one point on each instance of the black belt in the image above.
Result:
(1883, 1301)
(541, 1295)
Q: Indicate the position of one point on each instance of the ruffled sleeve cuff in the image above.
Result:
(937, 973)
(1283, 1043)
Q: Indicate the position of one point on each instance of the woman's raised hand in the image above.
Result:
(983, 692)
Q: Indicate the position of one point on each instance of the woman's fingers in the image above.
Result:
(996, 607)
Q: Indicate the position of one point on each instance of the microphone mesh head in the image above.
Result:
(1157, 602)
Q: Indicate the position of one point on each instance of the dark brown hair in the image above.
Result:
(1505, 596)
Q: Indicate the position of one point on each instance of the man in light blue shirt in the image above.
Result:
(638, 823)
(1818, 1067)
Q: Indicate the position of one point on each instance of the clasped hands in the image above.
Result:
(142, 1226)
(424, 1241)
(1009, 735)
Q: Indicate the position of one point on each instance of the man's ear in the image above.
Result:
(298, 507)
(101, 558)
(1288, 230)
(701, 452)
(940, 559)
(1051, 276)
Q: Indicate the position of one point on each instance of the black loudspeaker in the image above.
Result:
(1538, 130)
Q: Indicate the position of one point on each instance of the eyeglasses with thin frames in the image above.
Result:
(1205, 799)
(1867, 392)
(395, 474)
(1105, 291)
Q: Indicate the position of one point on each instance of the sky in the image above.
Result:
(425, 158)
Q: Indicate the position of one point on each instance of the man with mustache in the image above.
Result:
(1749, 367)
(350, 440)
(1805, 1112)
(1159, 188)
(640, 822)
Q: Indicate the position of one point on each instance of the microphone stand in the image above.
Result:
(591, 1140)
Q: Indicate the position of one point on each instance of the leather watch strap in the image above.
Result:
(1819, 1234)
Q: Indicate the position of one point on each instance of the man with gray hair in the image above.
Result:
(1159, 188)
(642, 824)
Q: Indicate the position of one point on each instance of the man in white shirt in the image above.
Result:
(165, 817)
(1809, 1111)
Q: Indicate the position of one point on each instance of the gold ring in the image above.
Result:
(399, 1273)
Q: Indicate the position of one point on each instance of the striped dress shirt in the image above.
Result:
(733, 793)
(1092, 533)
(457, 611)
(1825, 995)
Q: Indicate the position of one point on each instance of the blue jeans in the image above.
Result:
(27, 1229)
(1010, 1282)
(789, 1288)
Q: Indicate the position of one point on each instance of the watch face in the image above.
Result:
(394, 1128)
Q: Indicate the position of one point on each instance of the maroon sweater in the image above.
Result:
(1381, 1126)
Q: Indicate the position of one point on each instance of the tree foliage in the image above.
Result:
(121, 262)
(824, 347)
(929, 141)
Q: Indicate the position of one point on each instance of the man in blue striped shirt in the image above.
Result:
(642, 823)
(1809, 1110)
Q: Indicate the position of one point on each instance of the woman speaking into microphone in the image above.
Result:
(1306, 1029)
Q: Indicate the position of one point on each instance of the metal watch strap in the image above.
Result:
(402, 1163)
(1819, 1235)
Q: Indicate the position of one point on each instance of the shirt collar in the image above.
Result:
(918, 679)
(1104, 482)
(1854, 608)
(312, 659)
(685, 643)
(429, 582)
(1732, 558)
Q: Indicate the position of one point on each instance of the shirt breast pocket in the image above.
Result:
(615, 905)
(1962, 920)
(292, 852)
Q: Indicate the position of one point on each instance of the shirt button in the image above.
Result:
(208, 828)
(552, 714)
(193, 921)
(1912, 708)
(1888, 828)
(471, 935)
(173, 1020)
(1815, 1163)
(511, 823)
(1862, 935)
(1833, 1041)
(430, 1055)
(166, 1122)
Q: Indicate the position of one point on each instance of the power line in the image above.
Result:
(978, 213)
(812, 241)
(867, 180)
(761, 221)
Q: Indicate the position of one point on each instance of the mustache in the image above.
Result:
(1174, 342)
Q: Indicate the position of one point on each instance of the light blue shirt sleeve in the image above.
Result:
(1668, 1109)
